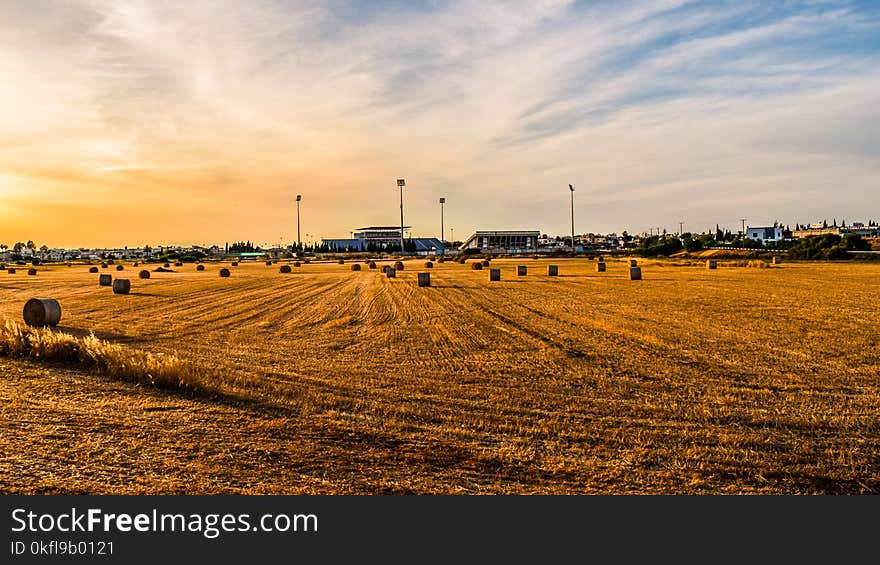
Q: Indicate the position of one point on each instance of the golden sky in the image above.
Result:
(139, 122)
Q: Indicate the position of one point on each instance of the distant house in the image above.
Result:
(764, 234)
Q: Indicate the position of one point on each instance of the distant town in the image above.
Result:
(856, 236)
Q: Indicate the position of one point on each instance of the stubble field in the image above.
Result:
(329, 381)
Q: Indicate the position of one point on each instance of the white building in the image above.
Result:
(764, 234)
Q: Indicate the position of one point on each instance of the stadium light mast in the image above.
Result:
(571, 188)
(400, 184)
(298, 239)
(442, 242)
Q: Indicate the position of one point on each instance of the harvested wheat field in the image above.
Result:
(332, 381)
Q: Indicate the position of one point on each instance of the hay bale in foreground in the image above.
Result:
(166, 265)
(600, 267)
(429, 265)
(398, 266)
(135, 264)
(41, 312)
(521, 270)
(777, 259)
(200, 267)
(224, 272)
(477, 266)
(390, 273)
(119, 267)
(103, 265)
(284, 269)
(121, 286)
(485, 262)
(711, 264)
(342, 261)
(268, 263)
(356, 267)
(93, 269)
(494, 274)
(424, 279)
(372, 265)
(32, 272)
(552, 270)
(632, 263)
(235, 263)
(296, 263)
(11, 270)
(144, 274)
(635, 273)
(105, 280)
(178, 264)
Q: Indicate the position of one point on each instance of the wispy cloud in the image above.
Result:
(658, 111)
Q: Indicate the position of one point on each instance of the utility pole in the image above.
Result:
(401, 183)
(298, 240)
(680, 228)
(442, 243)
(571, 188)
(743, 220)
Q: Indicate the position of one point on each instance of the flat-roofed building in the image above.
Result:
(503, 241)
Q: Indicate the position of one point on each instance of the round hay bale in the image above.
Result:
(356, 267)
(32, 272)
(224, 272)
(398, 265)
(105, 280)
(711, 264)
(429, 265)
(494, 274)
(372, 265)
(200, 267)
(521, 270)
(441, 260)
(424, 279)
(178, 264)
(41, 312)
(635, 273)
(600, 267)
(110, 261)
(777, 259)
(296, 263)
(119, 267)
(103, 265)
(274, 261)
(342, 261)
(390, 273)
(285, 269)
(268, 263)
(166, 265)
(477, 266)
(632, 263)
(121, 286)
(144, 274)
(11, 270)
(235, 263)
(135, 264)
(485, 262)
(552, 270)
(93, 269)
(307, 261)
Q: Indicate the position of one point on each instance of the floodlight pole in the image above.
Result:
(571, 188)
(401, 183)
(298, 239)
(442, 242)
